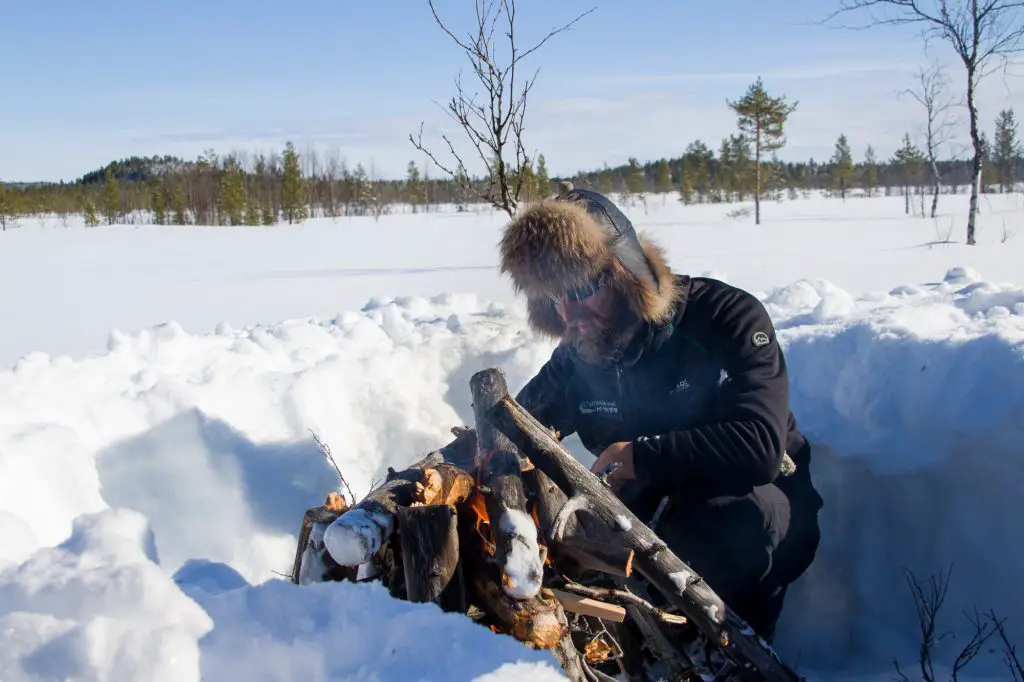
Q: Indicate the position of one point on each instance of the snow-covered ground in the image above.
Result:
(152, 479)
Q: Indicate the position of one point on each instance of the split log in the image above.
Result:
(358, 534)
(517, 551)
(429, 543)
(313, 563)
(654, 560)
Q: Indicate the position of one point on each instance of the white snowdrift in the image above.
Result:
(918, 394)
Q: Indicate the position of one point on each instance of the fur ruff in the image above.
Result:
(554, 246)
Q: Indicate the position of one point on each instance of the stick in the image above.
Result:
(588, 606)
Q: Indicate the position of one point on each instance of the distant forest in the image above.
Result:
(289, 186)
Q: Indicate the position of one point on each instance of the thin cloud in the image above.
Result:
(798, 73)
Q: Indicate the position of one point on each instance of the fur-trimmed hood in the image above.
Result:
(555, 245)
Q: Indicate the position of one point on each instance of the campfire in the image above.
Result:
(503, 525)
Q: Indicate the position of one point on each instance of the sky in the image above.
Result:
(89, 82)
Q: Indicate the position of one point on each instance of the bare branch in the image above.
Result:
(326, 451)
(495, 123)
(981, 633)
(1013, 663)
(979, 31)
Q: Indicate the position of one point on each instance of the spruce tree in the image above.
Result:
(842, 165)
(763, 119)
(293, 204)
(1006, 150)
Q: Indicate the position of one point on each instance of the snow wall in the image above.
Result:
(914, 400)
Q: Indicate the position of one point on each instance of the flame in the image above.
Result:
(482, 523)
(477, 505)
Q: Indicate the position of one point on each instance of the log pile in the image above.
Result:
(504, 525)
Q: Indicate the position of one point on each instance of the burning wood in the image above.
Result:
(530, 545)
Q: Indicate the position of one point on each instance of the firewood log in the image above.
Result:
(517, 550)
(679, 583)
(429, 542)
(359, 533)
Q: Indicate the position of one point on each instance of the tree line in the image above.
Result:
(265, 189)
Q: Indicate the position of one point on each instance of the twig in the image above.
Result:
(1010, 658)
(623, 595)
(326, 451)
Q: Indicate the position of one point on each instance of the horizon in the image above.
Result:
(634, 86)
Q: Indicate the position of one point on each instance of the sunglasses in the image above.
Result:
(585, 291)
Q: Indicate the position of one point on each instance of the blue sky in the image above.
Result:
(92, 81)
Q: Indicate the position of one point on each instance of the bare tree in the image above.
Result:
(928, 601)
(494, 124)
(931, 93)
(979, 31)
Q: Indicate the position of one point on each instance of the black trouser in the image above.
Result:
(747, 547)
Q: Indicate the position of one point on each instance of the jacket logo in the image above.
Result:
(680, 387)
(598, 406)
(759, 339)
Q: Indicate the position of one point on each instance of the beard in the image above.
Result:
(600, 340)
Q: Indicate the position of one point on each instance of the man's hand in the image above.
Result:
(621, 455)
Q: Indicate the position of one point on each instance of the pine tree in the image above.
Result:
(763, 118)
(159, 200)
(1006, 150)
(870, 170)
(742, 175)
(413, 186)
(702, 158)
(91, 220)
(232, 192)
(293, 205)
(252, 213)
(605, 182)
(111, 198)
(989, 174)
(179, 205)
(664, 178)
(7, 214)
(909, 162)
(541, 180)
(636, 182)
(686, 179)
(842, 165)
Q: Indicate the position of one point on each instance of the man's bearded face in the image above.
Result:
(598, 321)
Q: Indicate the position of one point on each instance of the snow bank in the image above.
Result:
(915, 402)
(179, 458)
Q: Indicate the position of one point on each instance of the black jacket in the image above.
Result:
(704, 399)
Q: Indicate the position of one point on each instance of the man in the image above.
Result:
(679, 385)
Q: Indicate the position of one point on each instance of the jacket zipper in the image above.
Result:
(622, 395)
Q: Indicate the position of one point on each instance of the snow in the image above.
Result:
(622, 522)
(156, 453)
(355, 537)
(524, 567)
